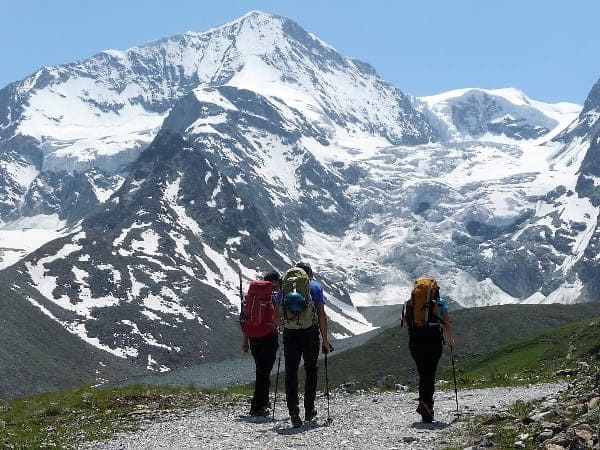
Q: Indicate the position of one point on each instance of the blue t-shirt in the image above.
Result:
(316, 292)
(443, 307)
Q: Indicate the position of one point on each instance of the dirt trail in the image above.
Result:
(361, 420)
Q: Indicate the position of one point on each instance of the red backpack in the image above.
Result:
(256, 318)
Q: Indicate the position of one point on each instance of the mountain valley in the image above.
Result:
(136, 185)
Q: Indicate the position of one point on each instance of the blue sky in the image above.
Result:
(548, 48)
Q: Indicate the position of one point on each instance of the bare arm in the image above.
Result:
(448, 329)
(325, 345)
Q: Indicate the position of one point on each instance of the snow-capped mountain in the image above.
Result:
(495, 115)
(96, 116)
(164, 170)
(580, 154)
(249, 97)
(102, 112)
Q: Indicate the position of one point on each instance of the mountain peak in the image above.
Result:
(109, 107)
(496, 114)
(514, 95)
(259, 15)
(252, 18)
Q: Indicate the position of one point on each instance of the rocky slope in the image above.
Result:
(569, 420)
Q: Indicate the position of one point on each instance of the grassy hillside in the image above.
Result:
(532, 360)
(477, 331)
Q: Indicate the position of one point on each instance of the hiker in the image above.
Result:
(259, 326)
(426, 314)
(301, 327)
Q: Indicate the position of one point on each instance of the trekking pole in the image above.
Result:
(329, 419)
(241, 297)
(454, 374)
(277, 377)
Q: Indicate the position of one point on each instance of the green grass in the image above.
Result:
(522, 363)
(64, 419)
(531, 360)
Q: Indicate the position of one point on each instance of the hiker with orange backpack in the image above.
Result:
(426, 314)
(259, 319)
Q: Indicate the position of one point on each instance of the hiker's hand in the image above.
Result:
(451, 343)
(245, 347)
(326, 347)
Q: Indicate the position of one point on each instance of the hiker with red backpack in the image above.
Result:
(302, 306)
(259, 319)
(426, 314)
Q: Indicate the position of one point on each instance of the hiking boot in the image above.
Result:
(310, 415)
(296, 421)
(430, 406)
(262, 412)
(425, 411)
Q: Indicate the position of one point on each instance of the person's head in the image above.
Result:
(274, 278)
(306, 267)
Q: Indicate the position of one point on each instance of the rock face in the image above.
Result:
(585, 133)
(176, 165)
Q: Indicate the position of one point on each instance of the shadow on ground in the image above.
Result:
(436, 425)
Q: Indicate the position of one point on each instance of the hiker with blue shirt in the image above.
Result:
(302, 306)
(426, 314)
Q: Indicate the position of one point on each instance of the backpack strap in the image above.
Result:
(429, 306)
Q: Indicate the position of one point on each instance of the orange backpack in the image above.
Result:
(423, 307)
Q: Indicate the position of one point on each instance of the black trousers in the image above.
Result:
(301, 344)
(264, 352)
(425, 346)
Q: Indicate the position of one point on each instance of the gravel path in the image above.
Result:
(360, 420)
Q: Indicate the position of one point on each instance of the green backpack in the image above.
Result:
(298, 307)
